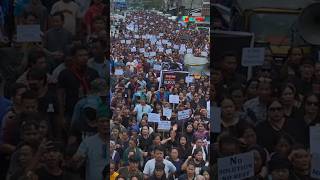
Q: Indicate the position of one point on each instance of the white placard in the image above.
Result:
(152, 54)
(240, 166)
(161, 49)
(205, 54)
(315, 166)
(167, 112)
(28, 33)
(153, 117)
(136, 36)
(183, 47)
(160, 34)
(168, 51)
(133, 49)
(142, 50)
(216, 119)
(175, 46)
(185, 114)
(169, 44)
(157, 67)
(118, 72)
(123, 41)
(314, 139)
(146, 54)
(252, 56)
(164, 41)
(174, 99)
(159, 43)
(189, 51)
(189, 79)
(128, 41)
(164, 125)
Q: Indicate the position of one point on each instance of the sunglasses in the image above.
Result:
(274, 109)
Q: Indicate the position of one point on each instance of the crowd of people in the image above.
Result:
(54, 114)
(144, 46)
(270, 114)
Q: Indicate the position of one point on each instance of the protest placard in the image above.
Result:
(160, 34)
(141, 50)
(164, 41)
(152, 54)
(133, 49)
(161, 49)
(146, 54)
(185, 114)
(240, 166)
(181, 52)
(28, 33)
(167, 112)
(189, 51)
(175, 46)
(252, 56)
(168, 51)
(205, 54)
(189, 79)
(118, 72)
(136, 36)
(174, 99)
(128, 41)
(153, 117)
(157, 67)
(315, 166)
(123, 41)
(169, 44)
(164, 125)
(314, 139)
(159, 43)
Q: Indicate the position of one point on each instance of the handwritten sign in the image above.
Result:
(164, 125)
(236, 167)
(189, 79)
(185, 114)
(315, 166)
(153, 117)
(252, 56)
(314, 139)
(174, 99)
(28, 33)
(167, 112)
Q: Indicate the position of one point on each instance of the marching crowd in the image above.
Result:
(271, 114)
(160, 122)
(54, 114)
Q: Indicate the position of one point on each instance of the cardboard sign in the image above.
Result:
(157, 67)
(215, 113)
(118, 72)
(168, 51)
(174, 99)
(28, 33)
(164, 125)
(314, 139)
(315, 166)
(240, 166)
(185, 114)
(153, 117)
(252, 56)
(167, 112)
(189, 51)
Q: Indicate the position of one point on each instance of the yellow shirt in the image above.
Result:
(114, 176)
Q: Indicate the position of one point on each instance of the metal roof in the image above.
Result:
(276, 4)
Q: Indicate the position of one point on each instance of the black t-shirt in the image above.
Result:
(68, 81)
